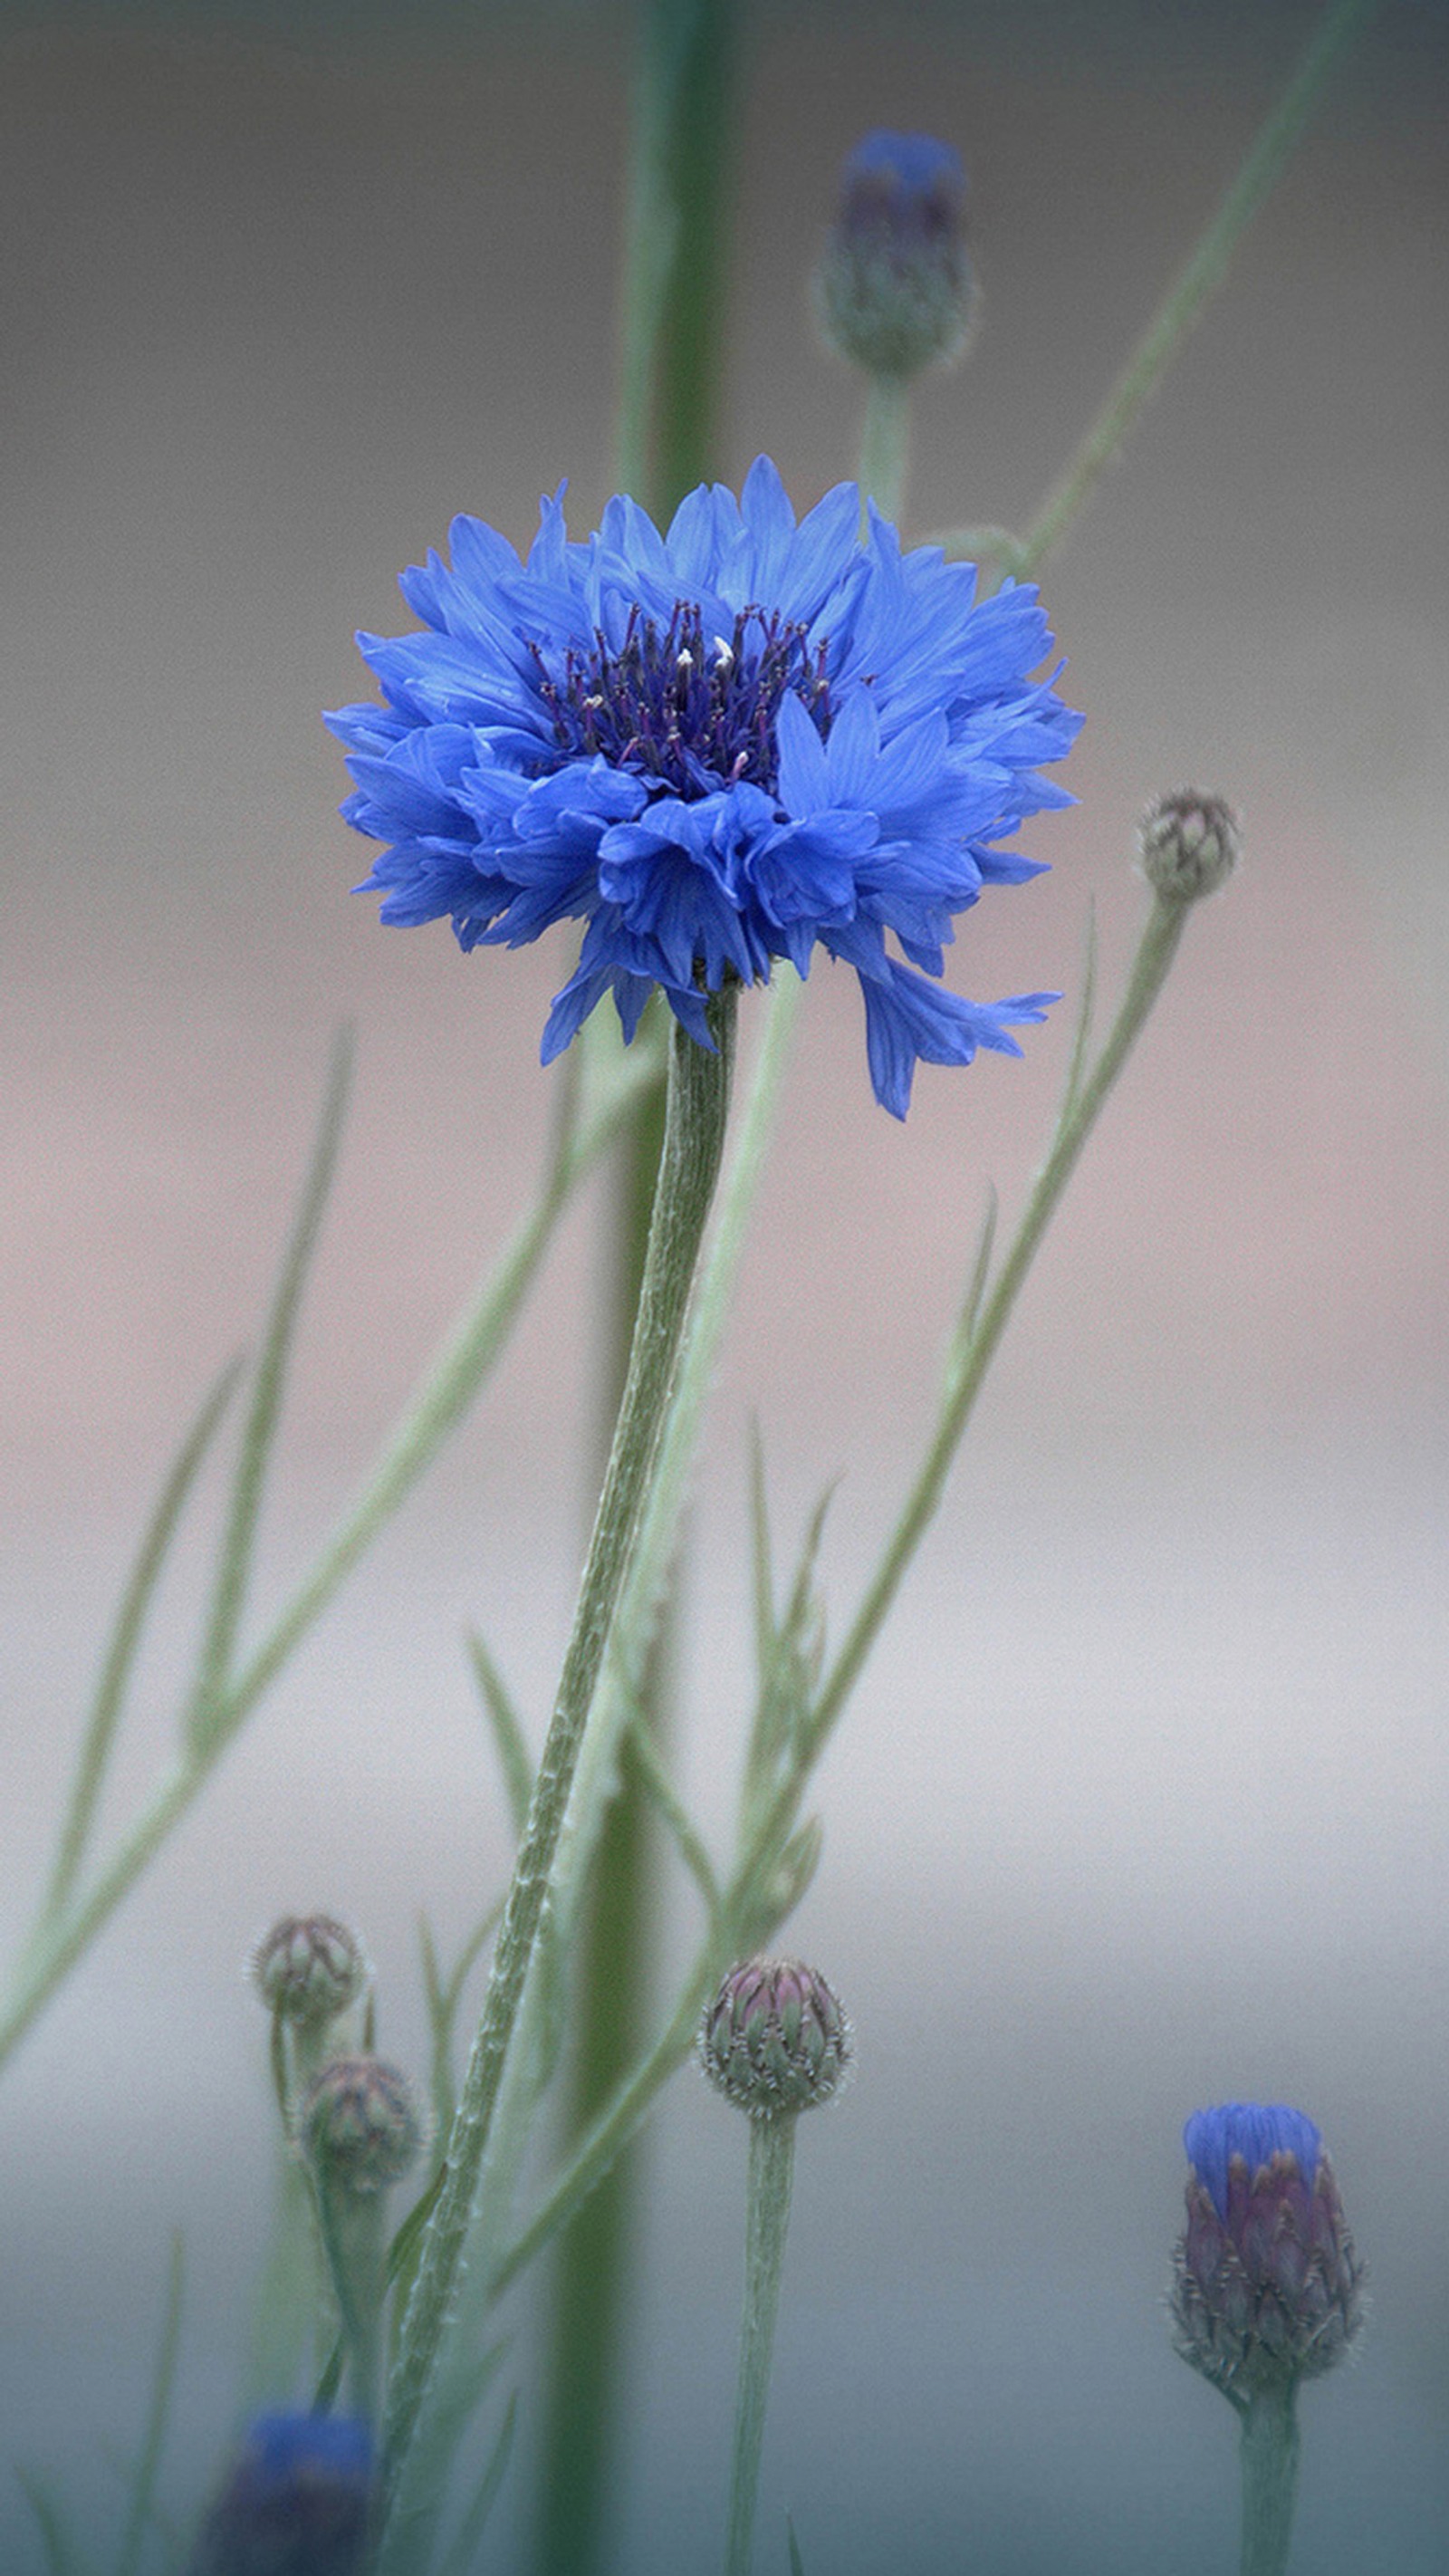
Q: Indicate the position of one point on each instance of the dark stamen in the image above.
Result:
(694, 712)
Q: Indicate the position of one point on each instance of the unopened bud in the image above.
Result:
(1267, 2286)
(297, 2503)
(309, 1968)
(360, 2124)
(1190, 845)
(775, 2039)
(894, 291)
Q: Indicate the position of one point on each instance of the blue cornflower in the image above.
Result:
(298, 2501)
(728, 744)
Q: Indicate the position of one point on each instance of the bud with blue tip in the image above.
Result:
(894, 291)
(1267, 2282)
(1267, 2292)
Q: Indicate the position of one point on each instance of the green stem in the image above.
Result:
(885, 443)
(354, 2239)
(1204, 272)
(675, 279)
(693, 1141)
(1270, 2478)
(62, 1939)
(745, 1905)
(1150, 968)
(676, 248)
(610, 1966)
(772, 2168)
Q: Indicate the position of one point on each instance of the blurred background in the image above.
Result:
(1142, 1802)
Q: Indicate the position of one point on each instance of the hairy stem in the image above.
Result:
(1270, 2478)
(693, 1142)
(772, 2171)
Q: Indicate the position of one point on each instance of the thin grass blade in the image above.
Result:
(514, 1757)
(61, 2557)
(126, 1636)
(238, 1542)
(163, 2385)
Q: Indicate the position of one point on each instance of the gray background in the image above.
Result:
(1142, 1802)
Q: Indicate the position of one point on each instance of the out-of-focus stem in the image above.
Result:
(675, 258)
(885, 443)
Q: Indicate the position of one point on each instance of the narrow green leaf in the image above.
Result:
(1082, 1033)
(60, 2553)
(765, 1634)
(205, 1706)
(980, 1274)
(100, 1734)
(462, 2555)
(659, 1790)
(143, 2484)
(797, 2563)
(406, 2246)
(444, 1996)
(325, 2397)
(432, 1974)
(514, 1757)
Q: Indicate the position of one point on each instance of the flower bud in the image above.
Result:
(775, 2039)
(1189, 845)
(1267, 2287)
(297, 2503)
(894, 291)
(360, 2124)
(309, 1968)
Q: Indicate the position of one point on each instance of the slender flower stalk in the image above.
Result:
(1191, 290)
(885, 443)
(771, 2179)
(775, 2043)
(699, 1078)
(1270, 2478)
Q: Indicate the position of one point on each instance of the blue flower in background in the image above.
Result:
(729, 744)
(298, 2501)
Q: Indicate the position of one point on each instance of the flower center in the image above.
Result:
(695, 713)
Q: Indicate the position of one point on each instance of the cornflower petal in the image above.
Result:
(741, 740)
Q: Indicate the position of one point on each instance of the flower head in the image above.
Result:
(297, 2503)
(361, 2124)
(1267, 2285)
(775, 2039)
(1190, 844)
(894, 291)
(309, 1968)
(728, 744)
